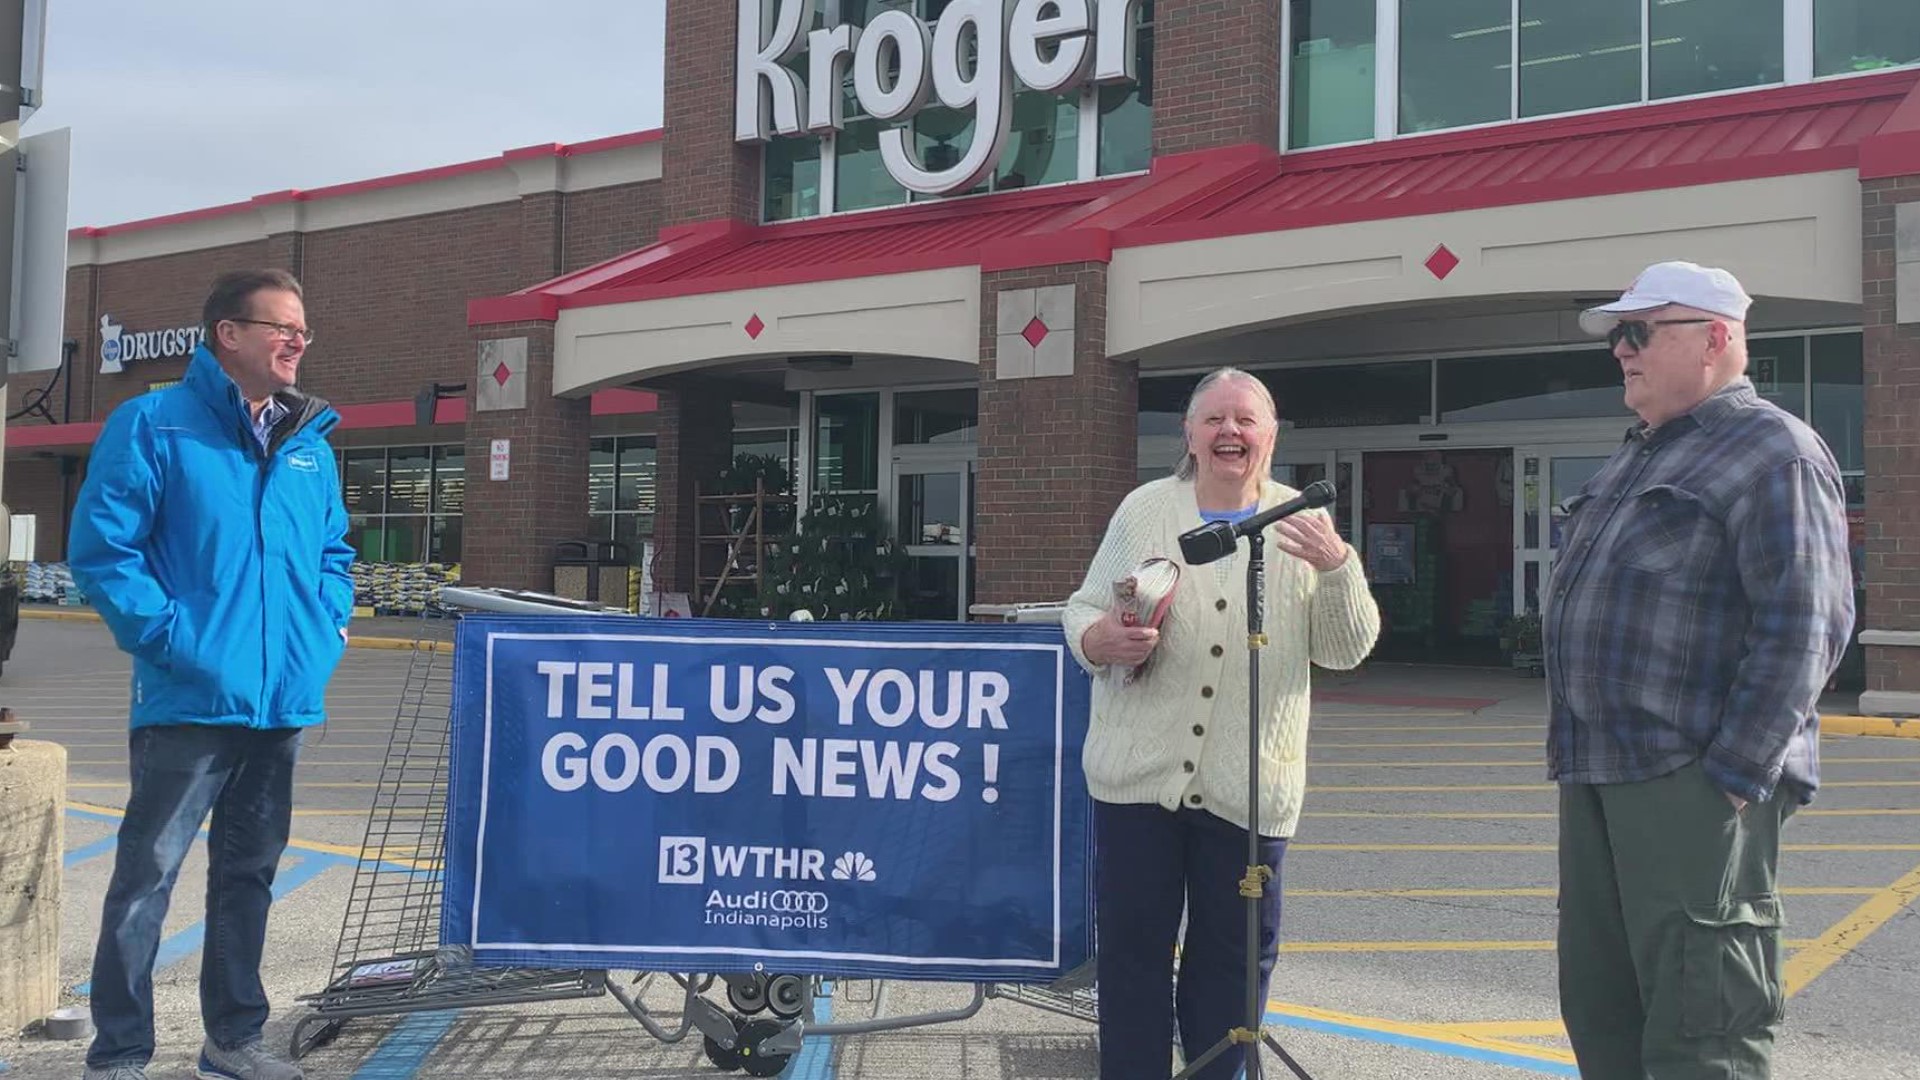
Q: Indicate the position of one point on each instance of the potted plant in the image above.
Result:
(1521, 638)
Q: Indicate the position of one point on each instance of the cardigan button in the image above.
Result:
(1218, 651)
(1201, 729)
(1206, 691)
(1187, 765)
(1220, 605)
(1194, 800)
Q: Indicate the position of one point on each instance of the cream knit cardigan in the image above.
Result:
(1178, 735)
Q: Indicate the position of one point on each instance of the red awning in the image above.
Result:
(1245, 190)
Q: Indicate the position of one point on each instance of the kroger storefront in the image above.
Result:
(988, 247)
(942, 272)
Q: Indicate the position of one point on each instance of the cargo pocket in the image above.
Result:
(1730, 967)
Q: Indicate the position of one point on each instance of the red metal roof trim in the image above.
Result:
(1735, 137)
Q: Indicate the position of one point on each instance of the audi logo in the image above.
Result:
(794, 902)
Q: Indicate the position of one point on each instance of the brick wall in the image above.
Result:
(1056, 454)
(388, 301)
(1892, 373)
(34, 486)
(693, 441)
(512, 526)
(606, 222)
(705, 175)
(1216, 74)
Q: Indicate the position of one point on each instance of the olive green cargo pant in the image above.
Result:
(1670, 927)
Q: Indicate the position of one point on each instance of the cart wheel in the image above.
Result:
(748, 993)
(786, 995)
(751, 1059)
(303, 1044)
(722, 1058)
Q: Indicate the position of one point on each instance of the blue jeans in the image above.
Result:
(180, 773)
(1151, 863)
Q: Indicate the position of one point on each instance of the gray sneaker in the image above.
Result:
(249, 1062)
(117, 1072)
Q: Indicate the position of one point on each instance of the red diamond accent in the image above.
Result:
(1035, 333)
(1442, 262)
(754, 327)
(501, 374)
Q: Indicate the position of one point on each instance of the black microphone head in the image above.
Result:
(1203, 545)
(1319, 493)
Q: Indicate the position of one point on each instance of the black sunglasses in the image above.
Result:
(1637, 332)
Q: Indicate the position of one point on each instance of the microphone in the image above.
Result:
(1217, 539)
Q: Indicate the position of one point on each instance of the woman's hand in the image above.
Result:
(1110, 641)
(1312, 537)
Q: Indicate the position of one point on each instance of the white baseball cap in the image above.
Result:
(1704, 288)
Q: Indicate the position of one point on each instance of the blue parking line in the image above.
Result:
(91, 851)
(815, 1060)
(184, 943)
(400, 1055)
(1432, 1046)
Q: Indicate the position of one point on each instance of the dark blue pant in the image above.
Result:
(179, 774)
(1151, 863)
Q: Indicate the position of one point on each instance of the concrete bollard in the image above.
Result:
(33, 798)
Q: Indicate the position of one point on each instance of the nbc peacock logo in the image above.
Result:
(853, 866)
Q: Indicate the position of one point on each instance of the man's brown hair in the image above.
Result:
(232, 295)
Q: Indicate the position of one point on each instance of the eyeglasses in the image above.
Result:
(281, 330)
(1637, 332)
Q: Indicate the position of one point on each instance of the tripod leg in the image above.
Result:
(1273, 1044)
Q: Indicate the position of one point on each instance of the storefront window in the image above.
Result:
(860, 179)
(1456, 61)
(1533, 386)
(1864, 35)
(1705, 45)
(937, 417)
(404, 503)
(1353, 395)
(1839, 399)
(1330, 88)
(1578, 54)
(1126, 111)
(846, 443)
(793, 179)
(1777, 367)
(620, 489)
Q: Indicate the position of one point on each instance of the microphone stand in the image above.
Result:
(1255, 884)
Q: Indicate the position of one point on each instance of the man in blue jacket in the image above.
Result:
(210, 535)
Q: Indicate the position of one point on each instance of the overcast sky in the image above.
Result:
(180, 104)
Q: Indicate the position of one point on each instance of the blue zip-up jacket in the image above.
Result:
(220, 566)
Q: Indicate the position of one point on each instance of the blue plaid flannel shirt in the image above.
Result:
(1702, 599)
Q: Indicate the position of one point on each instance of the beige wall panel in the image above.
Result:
(1786, 237)
(933, 314)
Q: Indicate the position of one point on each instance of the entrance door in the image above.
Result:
(933, 521)
(1544, 479)
(1298, 468)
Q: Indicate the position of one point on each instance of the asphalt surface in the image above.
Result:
(1419, 907)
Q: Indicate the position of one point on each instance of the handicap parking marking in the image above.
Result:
(407, 1047)
(1431, 1038)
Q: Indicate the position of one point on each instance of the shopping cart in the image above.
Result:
(389, 960)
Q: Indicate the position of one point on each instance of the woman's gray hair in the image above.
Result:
(1187, 467)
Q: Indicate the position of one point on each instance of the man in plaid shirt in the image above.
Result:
(1702, 600)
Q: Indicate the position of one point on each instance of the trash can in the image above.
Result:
(594, 570)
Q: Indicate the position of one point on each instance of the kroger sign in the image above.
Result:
(1056, 46)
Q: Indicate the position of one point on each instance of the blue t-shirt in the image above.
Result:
(1232, 516)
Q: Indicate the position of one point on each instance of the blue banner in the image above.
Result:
(852, 799)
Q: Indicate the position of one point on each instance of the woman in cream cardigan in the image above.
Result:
(1166, 753)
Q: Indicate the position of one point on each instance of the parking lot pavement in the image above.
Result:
(1419, 906)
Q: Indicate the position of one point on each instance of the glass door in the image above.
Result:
(1298, 468)
(933, 522)
(1544, 479)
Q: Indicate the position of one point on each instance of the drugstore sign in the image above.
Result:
(120, 347)
(901, 65)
